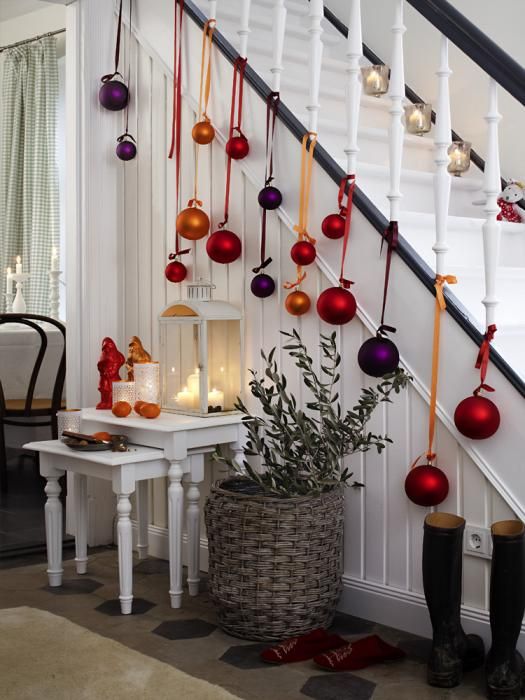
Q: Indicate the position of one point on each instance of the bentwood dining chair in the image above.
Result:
(29, 410)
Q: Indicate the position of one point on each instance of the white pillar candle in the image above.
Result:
(9, 281)
(193, 382)
(216, 398)
(18, 268)
(185, 398)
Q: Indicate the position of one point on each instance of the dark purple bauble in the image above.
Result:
(126, 150)
(262, 286)
(270, 197)
(378, 356)
(113, 95)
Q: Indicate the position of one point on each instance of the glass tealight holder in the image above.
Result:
(375, 80)
(68, 419)
(147, 382)
(418, 118)
(124, 391)
(459, 154)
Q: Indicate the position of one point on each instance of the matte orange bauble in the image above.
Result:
(237, 147)
(336, 306)
(426, 485)
(303, 253)
(477, 417)
(192, 223)
(223, 246)
(203, 132)
(297, 303)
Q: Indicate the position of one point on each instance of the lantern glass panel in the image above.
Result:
(224, 370)
(180, 363)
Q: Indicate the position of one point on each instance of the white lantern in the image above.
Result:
(201, 354)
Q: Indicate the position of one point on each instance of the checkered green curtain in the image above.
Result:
(29, 197)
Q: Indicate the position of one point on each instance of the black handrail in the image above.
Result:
(405, 251)
(475, 44)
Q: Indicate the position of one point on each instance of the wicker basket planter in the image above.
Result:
(275, 564)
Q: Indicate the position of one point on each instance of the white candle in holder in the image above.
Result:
(68, 419)
(185, 398)
(9, 281)
(147, 381)
(18, 268)
(216, 398)
(124, 391)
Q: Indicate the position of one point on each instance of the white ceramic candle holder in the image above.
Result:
(147, 381)
(124, 391)
(19, 304)
(68, 419)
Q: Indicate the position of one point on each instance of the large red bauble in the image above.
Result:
(426, 485)
(175, 271)
(303, 253)
(336, 306)
(192, 223)
(477, 417)
(237, 147)
(297, 303)
(223, 246)
(333, 226)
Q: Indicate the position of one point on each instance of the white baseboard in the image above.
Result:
(158, 545)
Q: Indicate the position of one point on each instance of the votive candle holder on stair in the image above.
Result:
(375, 79)
(124, 391)
(418, 118)
(68, 419)
(147, 382)
(459, 154)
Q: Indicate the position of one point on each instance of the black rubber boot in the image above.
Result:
(504, 667)
(453, 651)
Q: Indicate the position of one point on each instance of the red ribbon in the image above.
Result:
(238, 68)
(482, 361)
(347, 213)
(391, 237)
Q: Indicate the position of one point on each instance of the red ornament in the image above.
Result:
(303, 253)
(426, 485)
(237, 147)
(175, 271)
(336, 305)
(297, 303)
(109, 364)
(333, 226)
(223, 246)
(477, 417)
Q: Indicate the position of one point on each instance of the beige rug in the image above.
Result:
(46, 657)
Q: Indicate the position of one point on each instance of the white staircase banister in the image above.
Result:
(315, 57)
(279, 25)
(354, 52)
(244, 28)
(492, 184)
(213, 9)
(442, 140)
(397, 95)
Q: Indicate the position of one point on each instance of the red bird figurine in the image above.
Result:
(109, 364)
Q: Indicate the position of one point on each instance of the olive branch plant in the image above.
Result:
(302, 451)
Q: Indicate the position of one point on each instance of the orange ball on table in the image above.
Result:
(106, 437)
(192, 223)
(121, 409)
(297, 303)
(138, 406)
(150, 410)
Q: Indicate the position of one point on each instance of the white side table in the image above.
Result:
(125, 470)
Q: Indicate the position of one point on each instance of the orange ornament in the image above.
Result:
(297, 303)
(138, 406)
(106, 437)
(121, 409)
(203, 132)
(150, 410)
(192, 223)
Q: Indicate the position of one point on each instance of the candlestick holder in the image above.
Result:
(375, 79)
(418, 118)
(19, 304)
(54, 293)
(459, 154)
(9, 296)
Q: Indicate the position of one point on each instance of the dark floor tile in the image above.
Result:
(112, 607)
(152, 566)
(185, 629)
(417, 648)
(74, 586)
(338, 686)
(246, 657)
(348, 625)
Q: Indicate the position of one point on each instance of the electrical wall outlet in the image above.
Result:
(477, 541)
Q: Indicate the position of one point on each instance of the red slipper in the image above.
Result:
(301, 648)
(360, 654)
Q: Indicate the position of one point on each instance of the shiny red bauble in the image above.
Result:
(175, 271)
(297, 303)
(223, 246)
(336, 306)
(477, 417)
(303, 253)
(426, 485)
(237, 147)
(333, 226)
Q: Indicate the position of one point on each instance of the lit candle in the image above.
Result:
(373, 81)
(18, 268)
(9, 281)
(216, 398)
(193, 382)
(185, 398)
(54, 259)
(416, 120)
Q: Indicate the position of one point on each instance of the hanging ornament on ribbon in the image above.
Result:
(477, 417)
(114, 94)
(298, 302)
(126, 145)
(426, 484)
(379, 355)
(203, 131)
(237, 147)
(337, 305)
(262, 285)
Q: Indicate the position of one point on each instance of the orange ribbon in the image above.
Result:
(482, 361)
(307, 159)
(205, 86)
(440, 306)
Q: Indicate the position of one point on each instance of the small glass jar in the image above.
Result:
(124, 391)
(375, 79)
(68, 419)
(418, 118)
(459, 154)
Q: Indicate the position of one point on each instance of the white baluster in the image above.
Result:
(213, 9)
(492, 185)
(397, 96)
(316, 14)
(353, 88)
(442, 140)
(244, 29)
(279, 24)
(193, 530)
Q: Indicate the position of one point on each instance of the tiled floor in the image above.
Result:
(190, 640)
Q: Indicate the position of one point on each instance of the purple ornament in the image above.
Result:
(113, 95)
(378, 356)
(126, 150)
(262, 286)
(270, 197)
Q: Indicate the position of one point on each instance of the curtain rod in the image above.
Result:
(35, 38)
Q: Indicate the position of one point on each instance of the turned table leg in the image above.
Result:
(193, 530)
(125, 553)
(81, 522)
(53, 517)
(175, 522)
(143, 518)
